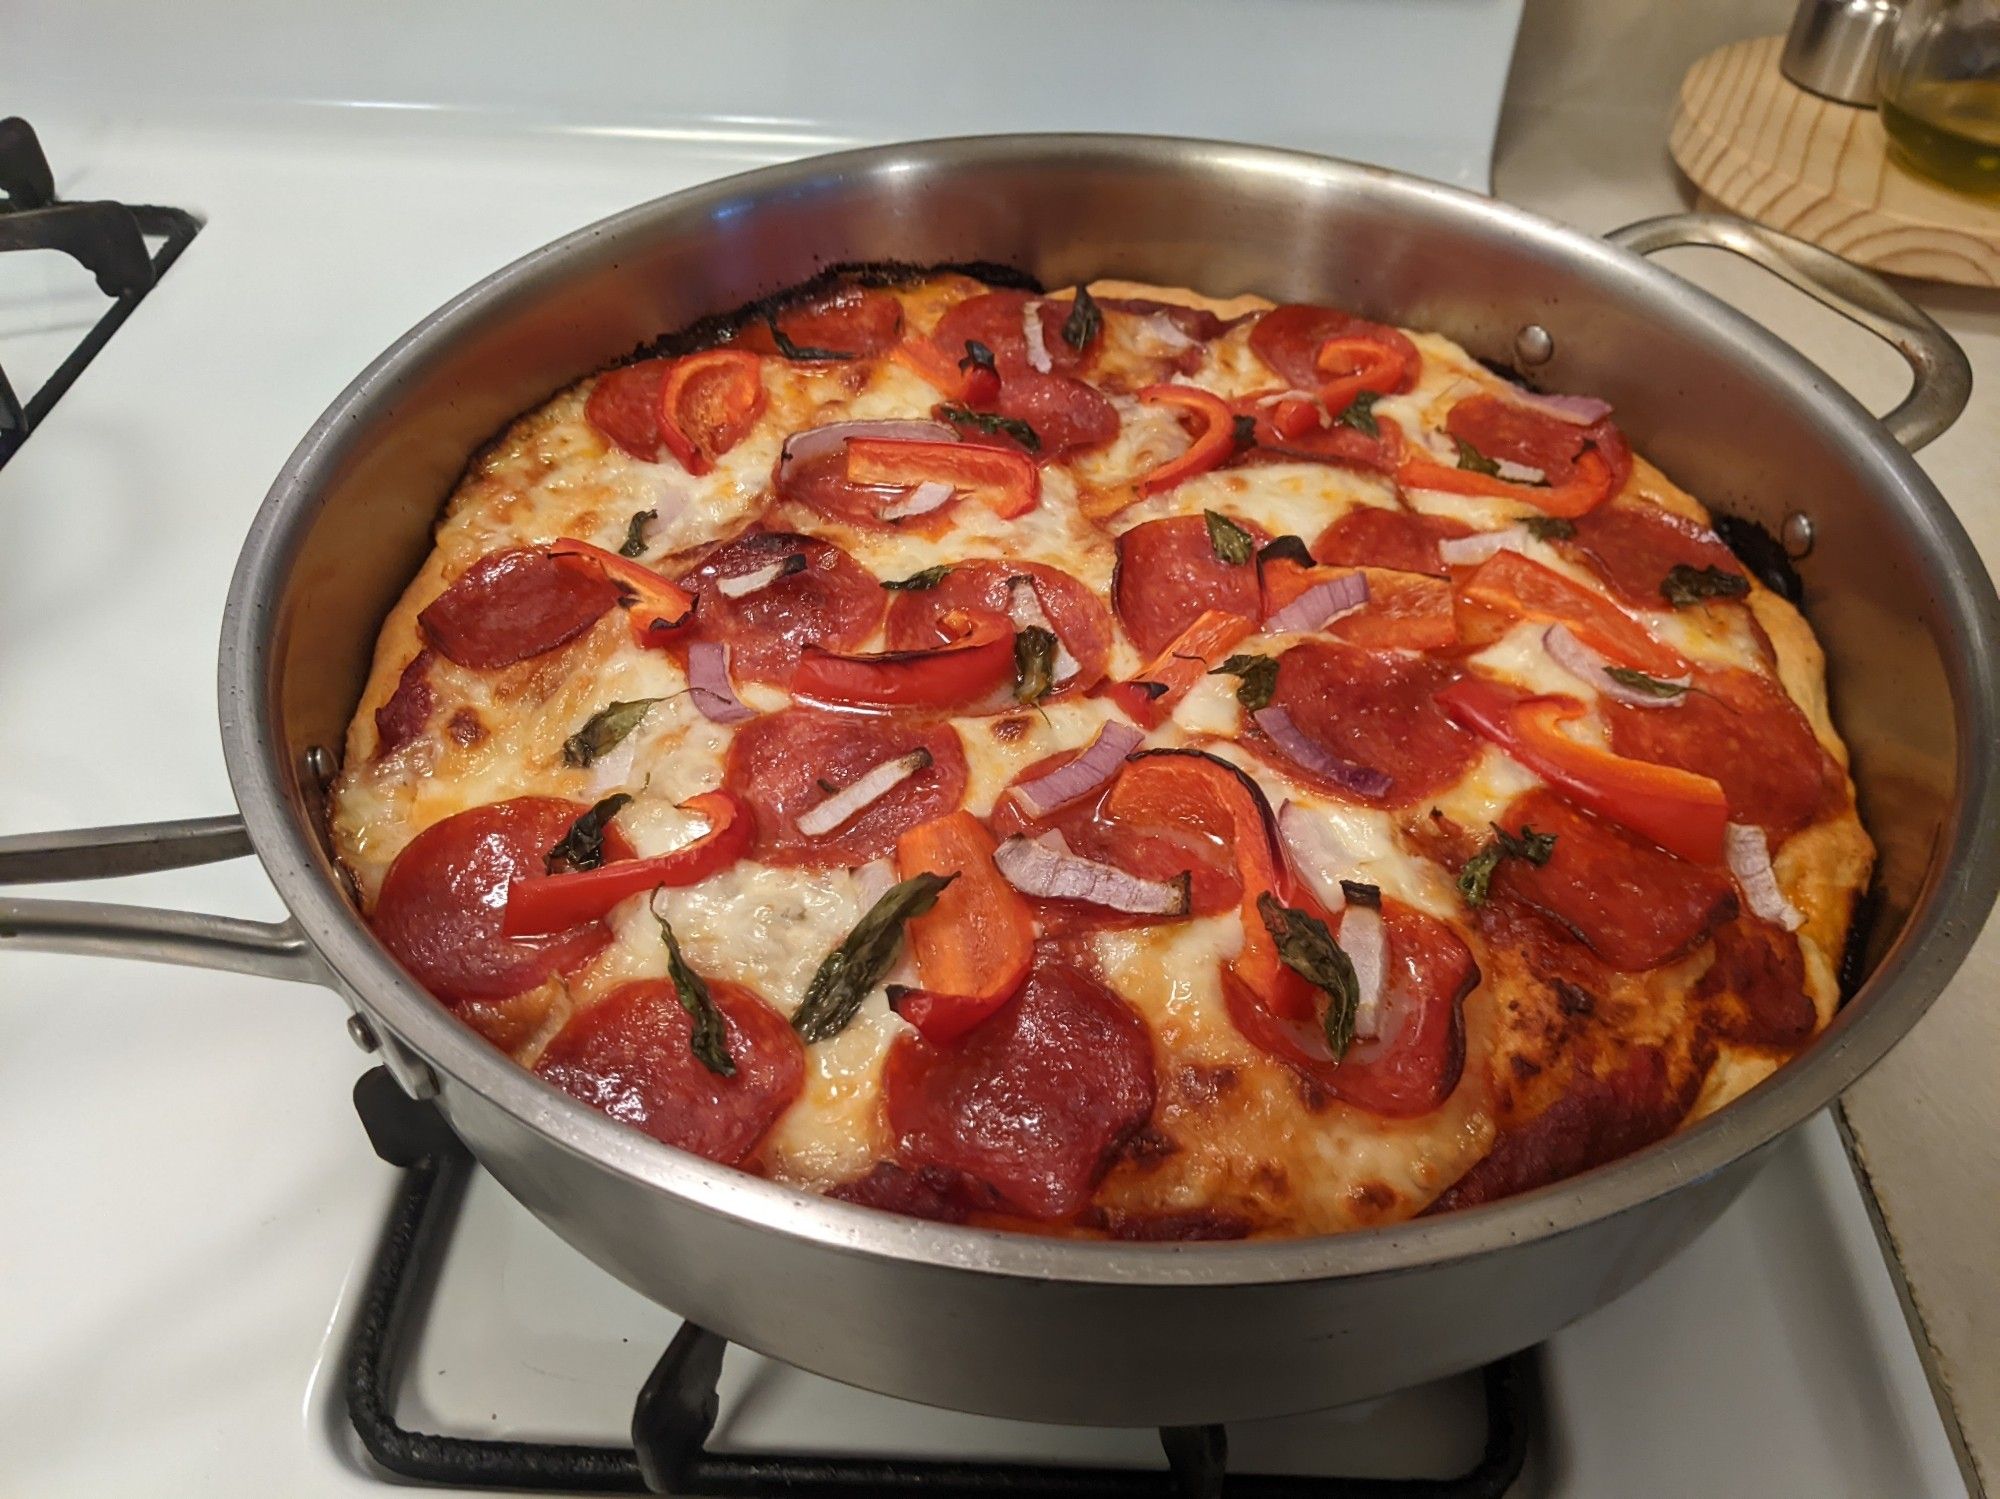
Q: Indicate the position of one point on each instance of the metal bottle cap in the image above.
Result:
(1834, 46)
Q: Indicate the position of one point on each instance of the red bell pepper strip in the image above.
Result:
(656, 609)
(1682, 812)
(923, 358)
(1004, 480)
(1524, 588)
(707, 402)
(1354, 363)
(1213, 443)
(975, 946)
(1149, 697)
(979, 660)
(1587, 488)
(545, 903)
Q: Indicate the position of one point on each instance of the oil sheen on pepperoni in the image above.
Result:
(853, 321)
(1375, 709)
(1169, 575)
(1633, 904)
(1401, 540)
(624, 406)
(832, 602)
(1413, 1062)
(1079, 617)
(1034, 1099)
(777, 762)
(628, 1056)
(1288, 339)
(1742, 730)
(408, 709)
(441, 903)
(1634, 547)
(994, 319)
(1758, 985)
(513, 604)
(1067, 415)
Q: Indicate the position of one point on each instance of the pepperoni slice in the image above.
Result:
(1338, 444)
(1034, 1099)
(851, 321)
(1374, 709)
(1080, 620)
(513, 604)
(1763, 973)
(1502, 430)
(929, 1192)
(1168, 575)
(1197, 323)
(628, 1056)
(832, 602)
(1631, 902)
(1414, 1060)
(820, 483)
(624, 405)
(408, 711)
(1405, 612)
(1288, 339)
(1742, 730)
(1634, 547)
(994, 319)
(440, 907)
(1597, 1118)
(1067, 415)
(1401, 540)
(777, 762)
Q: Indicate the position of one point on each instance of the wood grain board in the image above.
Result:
(1763, 147)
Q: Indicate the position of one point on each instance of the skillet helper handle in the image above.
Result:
(265, 949)
(1942, 376)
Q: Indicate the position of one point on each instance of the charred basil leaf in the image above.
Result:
(1245, 430)
(864, 955)
(1152, 689)
(1472, 460)
(1685, 585)
(1034, 664)
(1360, 413)
(1549, 527)
(1360, 893)
(1527, 844)
(635, 534)
(604, 730)
(1085, 320)
(930, 577)
(789, 350)
(992, 422)
(1258, 678)
(1476, 878)
(582, 847)
(1231, 542)
(1286, 549)
(1307, 948)
(709, 1037)
(977, 357)
(1638, 681)
(827, 786)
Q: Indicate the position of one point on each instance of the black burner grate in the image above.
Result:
(110, 240)
(677, 1406)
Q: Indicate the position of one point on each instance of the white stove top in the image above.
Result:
(188, 1198)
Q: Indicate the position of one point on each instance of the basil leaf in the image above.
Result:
(605, 729)
(1259, 676)
(1034, 664)
(864, 955)
(1231, 542)
(1549, 527)
(1307, 948)
(1360, 413)
(709, 1038)
(582, 847)
(1684, 585)
(827, 786)
(1286, 549)
(635, 534)
(978, 357)
(1472, 460)
(1244, 428)
(1152, 689)
(994, 423)
(1359, 893)
(1638, 681)
(930, 577)
(1476, 878)
(789, 350)
(1527, 844)
(1085, 320)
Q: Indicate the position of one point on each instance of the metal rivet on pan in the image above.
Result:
(320, 764)
(1534, 345)
(362, 1033)
(1797, 534)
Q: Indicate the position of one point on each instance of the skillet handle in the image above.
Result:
(1942, 377)
(265, 949)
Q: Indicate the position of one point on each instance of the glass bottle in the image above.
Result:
(1940, 83)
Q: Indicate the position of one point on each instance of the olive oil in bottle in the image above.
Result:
(1948, 129)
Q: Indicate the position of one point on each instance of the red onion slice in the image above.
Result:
(922, 500)
(1317, 854)
(815, 441)
(742, 585)
(1578, 411)
(1031, 331)
(1024, 607)
(1034, 868)
(708, 680)
(874, 880)
(1749, 855)
(1518, 473)
(1366, 943)
(1586, 665)
(1321, 604)
(1083, 775)
(1362, 780)
(1470, 551)
(869, 788)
